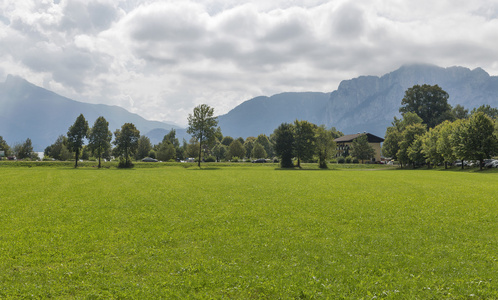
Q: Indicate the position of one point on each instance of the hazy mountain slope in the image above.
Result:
(264, 114)
(28, 111)
(366, 103)
(370, 103)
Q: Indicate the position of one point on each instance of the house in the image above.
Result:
(344, 144)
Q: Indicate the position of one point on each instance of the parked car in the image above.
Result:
(149, 159)
(488, 163)
(494, 164)
(261, 160)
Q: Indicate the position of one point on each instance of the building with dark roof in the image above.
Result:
(344, 144)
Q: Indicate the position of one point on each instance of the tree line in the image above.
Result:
(432, 132)
(429, 132)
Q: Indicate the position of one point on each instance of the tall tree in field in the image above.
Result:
(76, 135)
(429, 102)
(361, 149)
(99, 139)
(284, 144)
(304, 138)
(202, 126)
(126, 141)
(325, 145)
(481, 143)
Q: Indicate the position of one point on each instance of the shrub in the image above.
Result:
(349, 159)
(124, 164)
(235, 159)
(210, 159)
(355, 160)
(341, 160)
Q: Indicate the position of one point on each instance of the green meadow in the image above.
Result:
(247, 232)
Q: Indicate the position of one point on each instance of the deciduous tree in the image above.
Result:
(284, 144)
(143, 148)
(444, 142)
(4, 147)
(325, 145)
(481, 143)
(236, 149)
(489, 111)
(126, 141)
(202, 126)
(99, 139)
(304, 137)
(76, 135)
(361, 149)
(458, 138)
(429, 146)
(258, 151)
(409, 135)
(25, 150)
(429, 102)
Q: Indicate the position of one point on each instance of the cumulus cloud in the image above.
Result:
(171, 55)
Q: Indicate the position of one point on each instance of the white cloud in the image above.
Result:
(168, 56)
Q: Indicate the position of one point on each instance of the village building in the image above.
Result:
(344, 144)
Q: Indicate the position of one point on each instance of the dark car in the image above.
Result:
(261, 160)
(149, 159)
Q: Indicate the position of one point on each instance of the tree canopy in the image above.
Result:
(429, 102)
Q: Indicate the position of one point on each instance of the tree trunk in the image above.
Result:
(99, 161)
(200, 151)
(76, 160)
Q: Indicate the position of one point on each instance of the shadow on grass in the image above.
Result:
(453, 169)
(204, 168)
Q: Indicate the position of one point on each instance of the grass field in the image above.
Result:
(247, 232)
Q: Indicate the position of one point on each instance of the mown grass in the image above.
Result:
(247, 232)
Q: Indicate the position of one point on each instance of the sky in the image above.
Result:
(160, 59)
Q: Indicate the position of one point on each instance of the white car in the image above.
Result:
(491, 164)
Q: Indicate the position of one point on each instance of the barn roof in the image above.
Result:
(350, 137)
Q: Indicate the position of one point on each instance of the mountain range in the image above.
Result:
(365, 103)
